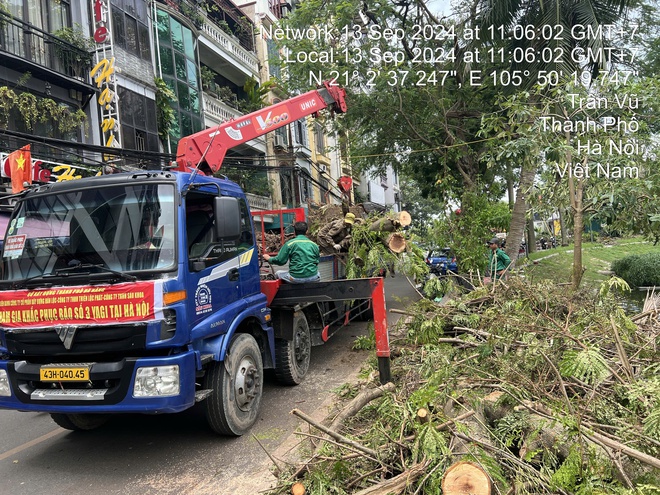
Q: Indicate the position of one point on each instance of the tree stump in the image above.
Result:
(298, 489)
(423, 415)
(465, 478)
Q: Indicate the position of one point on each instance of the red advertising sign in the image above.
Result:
(86, 305)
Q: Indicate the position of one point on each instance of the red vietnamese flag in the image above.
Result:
(20, 167)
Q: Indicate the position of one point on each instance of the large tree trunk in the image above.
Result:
(531, 235)
(509, 183)
(578, 228)
(562, 228)
(517, 227)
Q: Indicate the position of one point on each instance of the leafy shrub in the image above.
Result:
(639, 270)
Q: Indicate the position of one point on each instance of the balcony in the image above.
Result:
(259, 202)
(214, 41)
(279, 8)
(26, 48)
(217, 111)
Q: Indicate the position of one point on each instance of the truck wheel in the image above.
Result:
(292, 356)
(79, 422)
(237, 385)
(360, 312)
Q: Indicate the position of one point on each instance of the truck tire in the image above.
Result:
(79, 422)
(359, 311)
(292, 356)
(237, 385)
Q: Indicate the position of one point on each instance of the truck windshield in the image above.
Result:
(106, 231)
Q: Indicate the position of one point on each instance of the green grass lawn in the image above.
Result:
(556, 264)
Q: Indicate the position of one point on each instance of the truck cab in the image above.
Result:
(140, 291)
(113, 288)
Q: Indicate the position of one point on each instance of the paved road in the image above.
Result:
(177, 454)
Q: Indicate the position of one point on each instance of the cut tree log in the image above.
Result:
(404, 218)
(360, 400)
(397, 484)
(391, 223)
(629, 451)
(395, 242)
(465, 478)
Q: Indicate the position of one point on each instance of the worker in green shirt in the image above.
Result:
(498, 261)
(302, 255)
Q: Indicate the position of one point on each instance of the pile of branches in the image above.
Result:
(378, 241)
(515, 389)
(270, 242)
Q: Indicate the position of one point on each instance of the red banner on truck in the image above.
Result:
(83, 305)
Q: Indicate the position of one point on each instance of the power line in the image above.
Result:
(230, 162)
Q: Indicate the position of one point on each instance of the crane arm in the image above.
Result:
(207, 149)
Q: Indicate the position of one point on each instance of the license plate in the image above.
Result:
(64, 374)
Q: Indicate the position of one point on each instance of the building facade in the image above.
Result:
(98, 85)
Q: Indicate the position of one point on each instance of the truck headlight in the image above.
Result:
(5, 389)
(157, 381)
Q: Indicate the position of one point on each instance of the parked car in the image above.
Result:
(441, 261)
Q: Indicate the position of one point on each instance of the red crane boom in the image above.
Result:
(206, 149)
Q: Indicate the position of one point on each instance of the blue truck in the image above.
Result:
(140, 292)
(441, 262)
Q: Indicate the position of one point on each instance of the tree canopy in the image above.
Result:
(456, 103)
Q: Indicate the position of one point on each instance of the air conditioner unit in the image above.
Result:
(280, 141)
(323, 169)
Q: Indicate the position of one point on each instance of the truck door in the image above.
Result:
(220, 272)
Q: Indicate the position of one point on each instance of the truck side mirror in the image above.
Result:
(227, 217)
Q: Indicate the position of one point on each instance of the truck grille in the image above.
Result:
(109, 339)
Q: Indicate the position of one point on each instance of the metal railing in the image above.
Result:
(257, 202)
(35, 45)
(232, 46)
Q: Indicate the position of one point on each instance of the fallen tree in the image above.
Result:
(523, 389)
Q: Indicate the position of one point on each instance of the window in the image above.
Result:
(129, 27)
(178, 68)
(49, 15)
(319, 137)
(305, 188)
(138, 124)
(300, 128)
(273, 60)
(203, 245)
(137, 8)
(246, 239)
(285, 188)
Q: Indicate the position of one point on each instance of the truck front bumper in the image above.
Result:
(110, 388)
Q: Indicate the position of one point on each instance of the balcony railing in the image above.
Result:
(34, 45)
(217, 110)
(259, 202)
(232, 47)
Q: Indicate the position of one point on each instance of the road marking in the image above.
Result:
(31, 443)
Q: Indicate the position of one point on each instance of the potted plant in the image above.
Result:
(74, 49)
(228, 96)
(207, 76)
(224, 26)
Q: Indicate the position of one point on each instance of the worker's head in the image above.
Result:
(349, 218)
(494, 243)
(300, 228)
